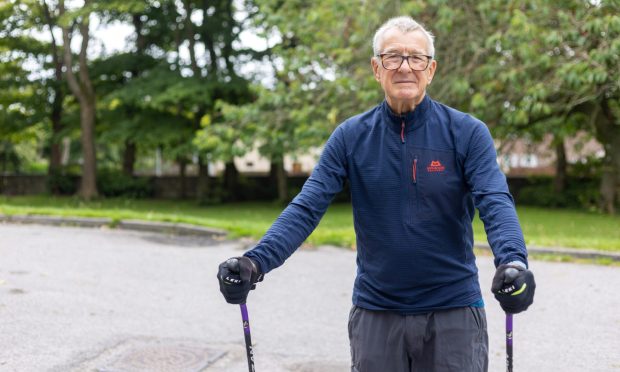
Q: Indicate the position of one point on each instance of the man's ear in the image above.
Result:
(431, 70)
(375, 68)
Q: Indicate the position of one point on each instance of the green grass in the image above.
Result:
(570, 228)
(542, 227)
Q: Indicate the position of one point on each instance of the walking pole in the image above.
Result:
(248, 338)
(511, 274)
(508, 342)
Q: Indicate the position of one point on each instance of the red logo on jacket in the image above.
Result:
(435, 166)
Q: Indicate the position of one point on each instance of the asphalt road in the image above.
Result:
(75, 299)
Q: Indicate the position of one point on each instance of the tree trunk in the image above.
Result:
(279, 177)
(56, 146)
(182, 174)
(608, 181)
(88, 186)
(55, 163)
(204, 185)
(559, 184)
(207, 38)
(190, 34)
(231, 176)
(140, 39)
(129, 157)
(56, 150)
(131, 149)
(608, 133)
(227, 48)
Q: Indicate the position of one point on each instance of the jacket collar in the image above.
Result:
(413, 119)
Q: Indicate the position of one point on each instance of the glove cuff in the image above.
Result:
(256, 269)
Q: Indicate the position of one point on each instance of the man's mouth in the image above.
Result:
(405, 82)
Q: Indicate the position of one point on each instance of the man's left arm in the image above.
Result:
(497, 211)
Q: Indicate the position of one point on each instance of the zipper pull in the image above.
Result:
(402, 131)
(415, 170)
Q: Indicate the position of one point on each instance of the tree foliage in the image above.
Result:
(554, 68)
(23, 105)
(188, 84)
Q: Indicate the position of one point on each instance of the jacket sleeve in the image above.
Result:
(492, 198)
(303, 214)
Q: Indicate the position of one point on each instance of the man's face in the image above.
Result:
(403, 87)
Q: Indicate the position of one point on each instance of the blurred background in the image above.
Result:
(217, 101)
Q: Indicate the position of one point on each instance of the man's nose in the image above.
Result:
(404, 67)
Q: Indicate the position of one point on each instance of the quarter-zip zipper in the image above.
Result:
(415, 183)
(406, 207)
(414, 175)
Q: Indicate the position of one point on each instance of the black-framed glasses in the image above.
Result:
(417, 62)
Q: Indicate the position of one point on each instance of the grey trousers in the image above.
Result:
(439, 341)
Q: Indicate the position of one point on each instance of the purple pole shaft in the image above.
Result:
(245, 318)
(248, 338)
(509, 342)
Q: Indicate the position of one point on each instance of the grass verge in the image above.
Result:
(542, 227)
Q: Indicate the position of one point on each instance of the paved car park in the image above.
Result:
(93, 299)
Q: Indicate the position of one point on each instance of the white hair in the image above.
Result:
(404, 24)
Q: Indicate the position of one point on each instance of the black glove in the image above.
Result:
(237, 276)
(513, 286)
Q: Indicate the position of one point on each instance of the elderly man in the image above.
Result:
(416, 170)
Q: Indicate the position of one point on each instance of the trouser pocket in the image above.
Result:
(479, 316)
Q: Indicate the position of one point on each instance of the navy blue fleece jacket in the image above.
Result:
(414, 181)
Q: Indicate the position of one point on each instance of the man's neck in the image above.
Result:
(402, 107)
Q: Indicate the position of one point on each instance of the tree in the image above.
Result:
(548, 67)
(83, 90)
(156, 91)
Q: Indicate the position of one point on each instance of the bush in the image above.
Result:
(113, 183)
(580, 193)
(62, 183)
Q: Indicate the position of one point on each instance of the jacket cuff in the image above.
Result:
(517, 263)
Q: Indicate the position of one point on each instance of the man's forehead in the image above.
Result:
(398, 41)
(403, 48)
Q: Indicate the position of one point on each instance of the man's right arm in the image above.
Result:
(237, 276)
(303, 214)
